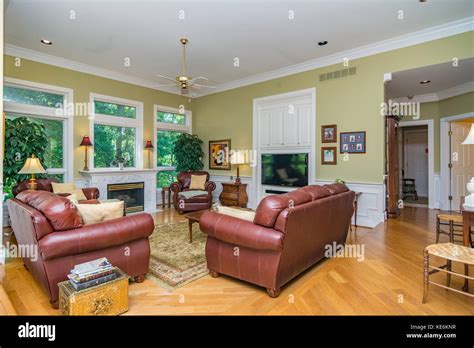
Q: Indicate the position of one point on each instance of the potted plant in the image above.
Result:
(121, 160)
(187, 153)
(24, 137)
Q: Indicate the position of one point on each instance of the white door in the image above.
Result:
(416, 159)
(462, 159)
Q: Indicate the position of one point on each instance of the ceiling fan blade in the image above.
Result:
(167, 78)
(172, 85)
(199, 78)
(197, 85)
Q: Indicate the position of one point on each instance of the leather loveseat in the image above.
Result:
(199, 202)
(289, 234)
(52, 225)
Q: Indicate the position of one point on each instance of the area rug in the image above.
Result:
(174, 261)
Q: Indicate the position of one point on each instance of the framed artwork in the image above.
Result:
(352, 142)
(219, 157)
(329, 155)
(329, 133)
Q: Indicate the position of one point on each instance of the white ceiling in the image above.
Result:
(259, 33)
(442, 76)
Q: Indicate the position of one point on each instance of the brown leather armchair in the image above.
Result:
(44, 184)
(52, 226)
(289, 234)
(200, 202)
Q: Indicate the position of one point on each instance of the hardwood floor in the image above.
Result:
(388, 281)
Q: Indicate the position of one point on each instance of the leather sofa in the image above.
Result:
(44, 184)
(200, 202)
(52, 225)
(289, 234)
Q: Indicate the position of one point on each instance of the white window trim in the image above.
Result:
(109, 120)
(47, 112)
(187, 128)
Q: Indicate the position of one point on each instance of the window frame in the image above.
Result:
(164, 126)
(44, 112)
(118, 121)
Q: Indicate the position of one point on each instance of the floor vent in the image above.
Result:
(337, 74)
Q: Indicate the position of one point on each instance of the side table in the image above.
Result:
(234, 194)
(163, 194)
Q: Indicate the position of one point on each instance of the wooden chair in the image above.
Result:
(408, 187)
(454, 222)
(451, 252)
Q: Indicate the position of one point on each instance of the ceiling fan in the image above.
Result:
(183, 81)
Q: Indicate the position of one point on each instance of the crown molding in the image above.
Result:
(40, 57)
(425, 35)
(445, 94)
(415, 38)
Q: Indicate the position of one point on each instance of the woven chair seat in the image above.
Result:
(456, 218)
(453, 252)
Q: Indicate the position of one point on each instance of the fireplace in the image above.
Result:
(131, 193)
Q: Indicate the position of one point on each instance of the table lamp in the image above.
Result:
(238, 158)
(32, 166)
(86, 142)
(149, 147)
(469, 200)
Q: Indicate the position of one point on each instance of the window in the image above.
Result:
(169, 124)
(116, 132)
(44, 105)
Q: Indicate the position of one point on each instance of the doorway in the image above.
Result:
(414, 165)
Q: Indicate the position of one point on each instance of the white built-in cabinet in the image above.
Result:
(285, 126)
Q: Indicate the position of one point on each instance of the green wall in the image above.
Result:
(353, 103)
(82, 84)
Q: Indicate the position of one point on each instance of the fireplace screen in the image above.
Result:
(131, 193)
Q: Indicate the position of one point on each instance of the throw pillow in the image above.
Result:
(70, 188)
(248, 215)
(73, 198)
(94, 213)
(197, 182)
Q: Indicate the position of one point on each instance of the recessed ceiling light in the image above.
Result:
(322, 43)
(424, 82)
(46, 42)
(423, 0)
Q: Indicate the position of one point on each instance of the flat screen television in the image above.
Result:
(285, 169)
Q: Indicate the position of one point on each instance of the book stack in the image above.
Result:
(92, 273)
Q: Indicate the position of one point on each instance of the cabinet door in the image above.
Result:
(264, 127)
(304, 125)
(290, 126)
(276, 127)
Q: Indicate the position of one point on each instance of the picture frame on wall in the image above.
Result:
(219, 154)
(352, 142)
(329, 155)
(329, 133)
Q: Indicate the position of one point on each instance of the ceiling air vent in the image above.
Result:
(337, 74)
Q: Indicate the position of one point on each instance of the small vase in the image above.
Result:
(121, 166)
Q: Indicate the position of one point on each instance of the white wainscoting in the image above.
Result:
(370, 205)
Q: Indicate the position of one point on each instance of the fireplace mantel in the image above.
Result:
(100, 178)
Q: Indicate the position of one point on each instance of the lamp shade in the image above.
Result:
(149, 145)
(32, 166)
(238, 157)
(470, 137)
(86, 141)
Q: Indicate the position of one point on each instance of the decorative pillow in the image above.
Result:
(73, 198)
(197, 182)
(94, 213)
(61, 214)
(237, 213)
(70, 188)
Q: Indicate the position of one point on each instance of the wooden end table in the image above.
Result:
(234, 194)
(193, 217)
